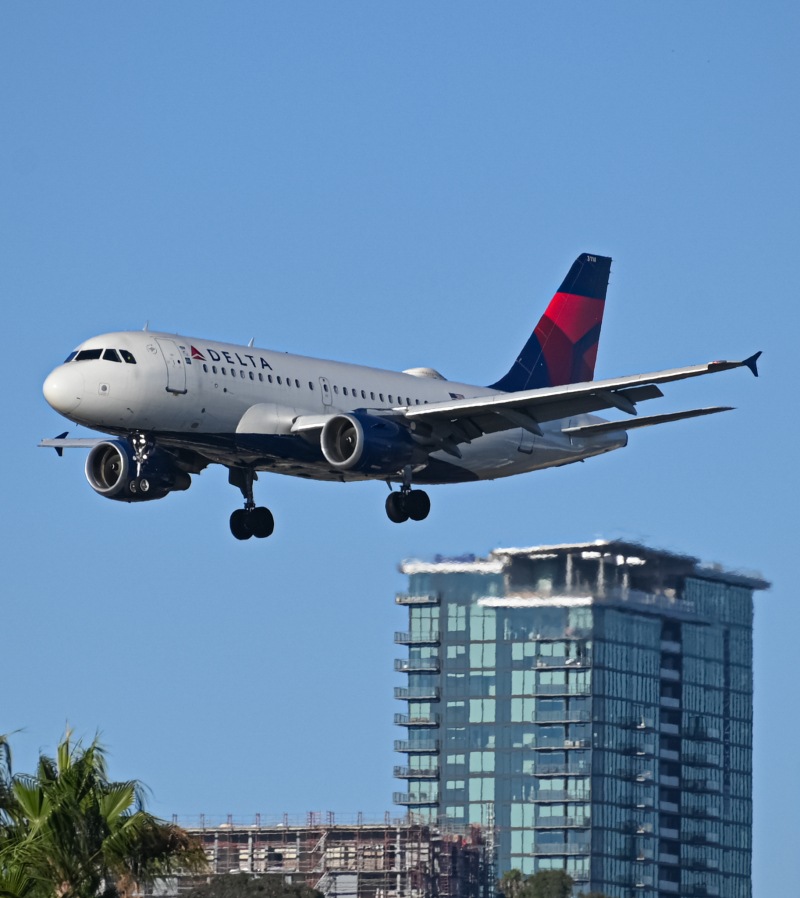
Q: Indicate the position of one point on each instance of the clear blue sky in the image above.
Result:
(397, 185)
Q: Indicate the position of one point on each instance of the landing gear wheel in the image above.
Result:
(418, 505)
(261, 523)
(240, 525)
(396, 508)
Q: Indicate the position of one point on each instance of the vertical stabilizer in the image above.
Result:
(563, 347)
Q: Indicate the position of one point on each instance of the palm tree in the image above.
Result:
(67, 831)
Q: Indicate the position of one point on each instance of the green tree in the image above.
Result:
(245, 885)
(544, 884)
(67, 831)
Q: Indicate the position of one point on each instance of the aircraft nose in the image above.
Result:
(63, 388)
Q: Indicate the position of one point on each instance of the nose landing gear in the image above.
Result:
(408, 503)
(250, 520)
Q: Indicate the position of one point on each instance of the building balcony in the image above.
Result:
(423, 745)
(563, 848)
(665, 885)
(711, 839)
(417, 692)
(701, 760)
(562, 822)
(403, 720)
(640, 749)
(701, 785)
(561, 717)
(671, 729)
(667, 701)
(403, 598)
(702, 732)
(431, 638)
(643, 882)
(673, 647)
(666, 673)
(642, 723)
(672, 859)
(669, 755)
(415, 773)
(413, 665)
(702, 813)
(636, 776)
(560, 795)
(562, 689)
(416, 800)
(574, 769)
(672, 781)
(561, 661)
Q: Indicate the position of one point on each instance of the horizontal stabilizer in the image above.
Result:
(61, 443)
(590, 430)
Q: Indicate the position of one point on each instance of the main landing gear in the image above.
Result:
(250, 520)
(408, 503)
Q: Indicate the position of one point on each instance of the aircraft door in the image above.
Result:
(176, 372)
(325, 389)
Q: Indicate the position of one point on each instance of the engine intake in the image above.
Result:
(366, 443)
(111, 471)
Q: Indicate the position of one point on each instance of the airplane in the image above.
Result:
(173, 405)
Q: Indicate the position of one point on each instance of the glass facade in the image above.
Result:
(590, 703)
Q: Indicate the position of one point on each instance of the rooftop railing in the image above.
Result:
(403, 598)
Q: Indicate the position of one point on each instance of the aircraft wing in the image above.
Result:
(60, 443)
(467, 419)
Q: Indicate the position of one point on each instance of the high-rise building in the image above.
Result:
(591, 704)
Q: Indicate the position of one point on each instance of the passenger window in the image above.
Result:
(205, 368)
(269, 378)
(408, 401)
(335, 389)
(214, 368)
(297, 383)
(355, 393)
(326, 387)
(241, 374)
(88, 355)
(127, 356)
(310, 385)
(110, 355)
(380, 396)
(233, 372)
(279, 380)
(223, 370)
(344, 390)
(390, 397)
(261, 377)
(70, 357)
(417, 401)
(372, 396)
(363, 395)
(251, 375)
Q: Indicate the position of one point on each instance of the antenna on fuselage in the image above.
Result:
(252, 339)
(146, 325)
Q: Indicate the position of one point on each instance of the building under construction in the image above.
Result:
(395, 859)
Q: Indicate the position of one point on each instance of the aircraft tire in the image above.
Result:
(261, 523)
(396, 508)
(418, 505)
(240, 526)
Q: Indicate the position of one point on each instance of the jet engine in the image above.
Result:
(366, 443)
(111, 471)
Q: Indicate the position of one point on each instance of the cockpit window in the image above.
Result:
(127, 356)
(110, 355)
(86, 355)
(70, 357)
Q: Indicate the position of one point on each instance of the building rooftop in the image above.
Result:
(660, 563)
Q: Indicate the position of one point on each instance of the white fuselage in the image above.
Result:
(203, 388)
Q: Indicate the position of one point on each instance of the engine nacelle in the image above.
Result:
(111, 471)
(366, 443)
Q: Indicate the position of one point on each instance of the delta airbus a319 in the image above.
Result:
(174, 405)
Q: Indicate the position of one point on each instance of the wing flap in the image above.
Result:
(590, 430)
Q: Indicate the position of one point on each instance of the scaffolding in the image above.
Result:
(395, 859)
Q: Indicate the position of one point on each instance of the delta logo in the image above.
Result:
(216, 357)
(196, 354)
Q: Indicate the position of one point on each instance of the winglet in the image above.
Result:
(751, 363)
(60, 449)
